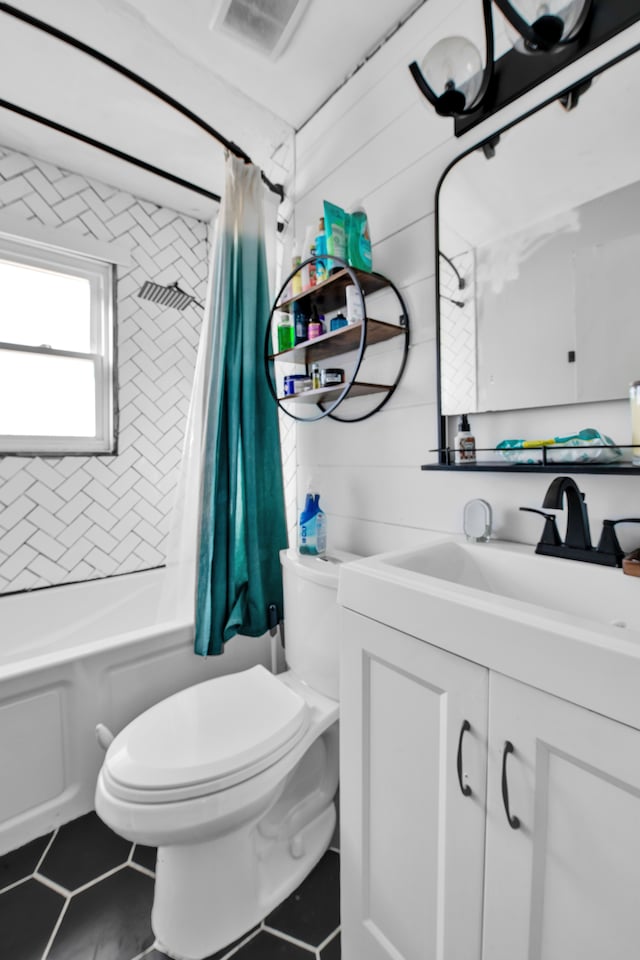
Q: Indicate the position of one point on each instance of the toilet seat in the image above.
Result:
(144, 817)
(206, 738)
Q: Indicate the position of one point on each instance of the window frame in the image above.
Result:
(101, 275)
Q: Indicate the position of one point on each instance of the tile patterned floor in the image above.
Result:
(83, 893)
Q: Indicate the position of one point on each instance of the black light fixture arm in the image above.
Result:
(524, 28)
(422, 84)
(456, 303)
(489, 51)
(139, 81)
(461, 280)
(452, 102)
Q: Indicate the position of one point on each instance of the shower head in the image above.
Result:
(456, 303)
(171, 296)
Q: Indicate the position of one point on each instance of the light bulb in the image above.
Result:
(557, 21)
(453, 70)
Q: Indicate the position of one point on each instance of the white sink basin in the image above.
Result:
(583, 590)
(567, 627)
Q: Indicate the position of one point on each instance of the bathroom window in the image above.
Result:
(56, 351)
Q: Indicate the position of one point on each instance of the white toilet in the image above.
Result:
(233, 779)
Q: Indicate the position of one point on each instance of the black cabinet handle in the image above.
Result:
(514, 822)
(466, 789)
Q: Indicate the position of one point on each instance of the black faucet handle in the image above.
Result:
(609, 543)
(550, 533)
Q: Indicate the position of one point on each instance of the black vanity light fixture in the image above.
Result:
(547, 35)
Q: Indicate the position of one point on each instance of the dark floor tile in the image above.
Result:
(332, 951)
(145, 856)
(28, 914)
(312, 912)
(267, 946)
(109, 921)
(22, 862)
(83, 850)
(219, 955)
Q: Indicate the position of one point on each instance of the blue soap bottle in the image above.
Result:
(322, 267)
(312, 529)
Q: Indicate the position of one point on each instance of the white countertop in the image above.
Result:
(584, 657)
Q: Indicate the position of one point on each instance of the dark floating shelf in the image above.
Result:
(336, 342)
(618, 468)
(330, 293)
(545, 465)
(329, 394)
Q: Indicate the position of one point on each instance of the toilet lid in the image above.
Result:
(208, 736)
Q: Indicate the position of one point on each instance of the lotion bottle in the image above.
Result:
(465, 442)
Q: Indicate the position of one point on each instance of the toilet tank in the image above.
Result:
(311, 617)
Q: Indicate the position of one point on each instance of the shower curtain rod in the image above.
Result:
(53, 125)
(141, 82)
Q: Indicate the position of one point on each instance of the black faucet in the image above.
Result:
(577, 543)
(578, 535)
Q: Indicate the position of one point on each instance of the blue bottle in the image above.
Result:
(322, 266)
(301, 326)
(312, 531)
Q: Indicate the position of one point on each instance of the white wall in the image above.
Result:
(378, 141)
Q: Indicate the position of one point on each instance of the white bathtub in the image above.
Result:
(72, 657)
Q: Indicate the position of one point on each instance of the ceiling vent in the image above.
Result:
(265, 25)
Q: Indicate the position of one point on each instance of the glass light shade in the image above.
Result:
(568, 12)
(454, 64)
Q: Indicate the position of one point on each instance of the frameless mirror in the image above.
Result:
(539, 266)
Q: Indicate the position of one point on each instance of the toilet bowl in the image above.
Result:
(233, 779)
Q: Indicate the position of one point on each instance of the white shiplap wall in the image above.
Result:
(378, 141)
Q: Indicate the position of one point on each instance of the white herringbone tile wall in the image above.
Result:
(458, 337)
(80, 518)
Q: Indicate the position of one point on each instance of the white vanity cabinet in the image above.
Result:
(412, 843)
(431, 874)
(566, 884)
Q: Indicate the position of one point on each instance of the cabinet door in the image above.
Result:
(566, 884)
(411, 842)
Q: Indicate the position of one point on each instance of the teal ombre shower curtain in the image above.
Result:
(242, 522)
